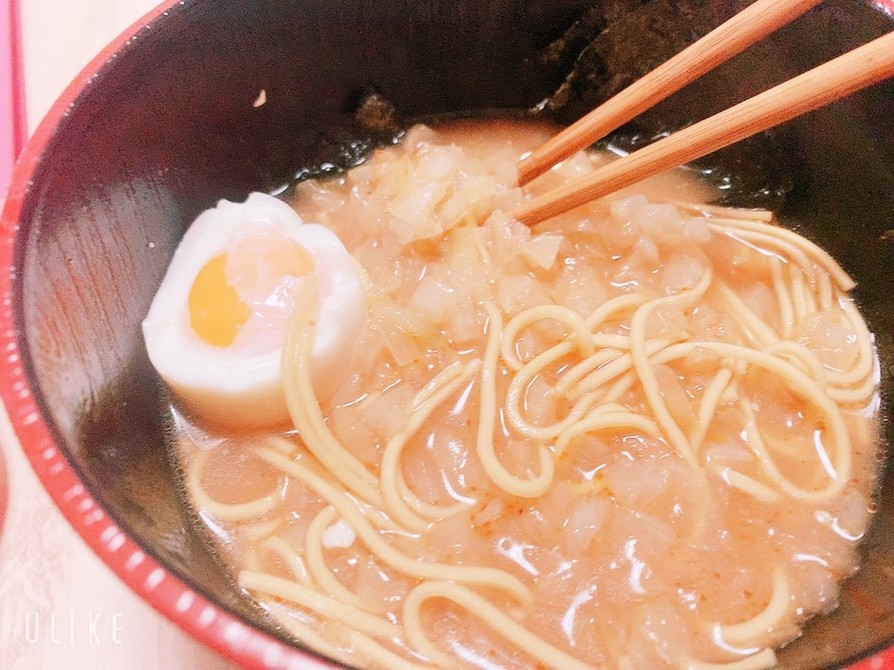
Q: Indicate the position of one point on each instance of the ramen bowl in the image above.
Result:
(207, 100)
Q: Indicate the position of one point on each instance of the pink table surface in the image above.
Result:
(12, 119)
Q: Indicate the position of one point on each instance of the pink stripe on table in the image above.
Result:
(12, 116)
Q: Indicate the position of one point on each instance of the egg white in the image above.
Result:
(241, 385)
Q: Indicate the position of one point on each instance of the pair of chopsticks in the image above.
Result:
(838, 78)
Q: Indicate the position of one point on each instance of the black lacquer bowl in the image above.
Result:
(162, 124)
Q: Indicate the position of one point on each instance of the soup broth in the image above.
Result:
(642, 434)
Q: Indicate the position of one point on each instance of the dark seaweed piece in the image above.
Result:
(631, 45)
(756, 172)
(372, 121)
(564, 51)
(334, 155)
(378, 116)
(753, 173)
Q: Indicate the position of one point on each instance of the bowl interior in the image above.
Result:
(167, 127)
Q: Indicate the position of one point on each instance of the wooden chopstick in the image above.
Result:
(864, 66)
(730, 38)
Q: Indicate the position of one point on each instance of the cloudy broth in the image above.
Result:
(695, 509)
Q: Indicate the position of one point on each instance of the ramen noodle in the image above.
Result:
(642, 434)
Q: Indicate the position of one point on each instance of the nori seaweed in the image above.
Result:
(564, 51)
(625, 45)
(628, 45)
(606, 49)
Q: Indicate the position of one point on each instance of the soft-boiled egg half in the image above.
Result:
(217, 325)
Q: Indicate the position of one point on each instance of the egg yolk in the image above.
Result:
(226, 288)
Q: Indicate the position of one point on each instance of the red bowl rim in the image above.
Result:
(152, 582)
(179, 602)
